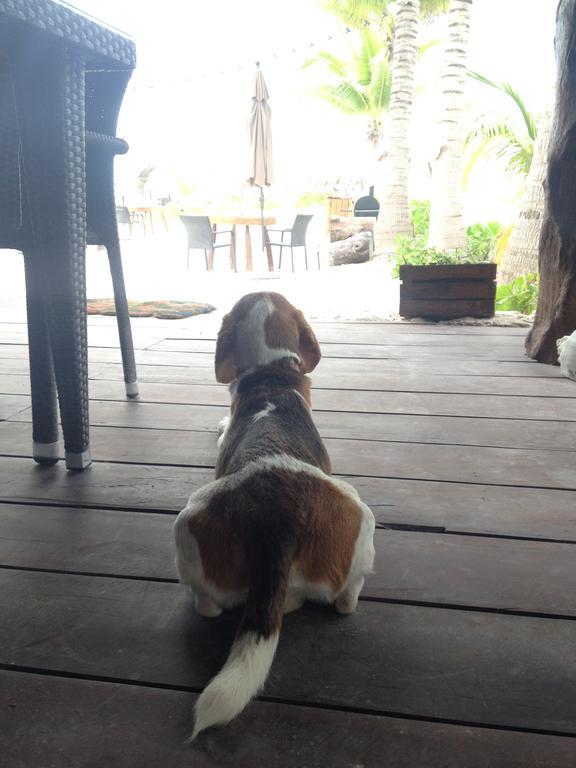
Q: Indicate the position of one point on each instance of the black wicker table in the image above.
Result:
(64, 79)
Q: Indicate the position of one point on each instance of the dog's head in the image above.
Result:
(262, 328)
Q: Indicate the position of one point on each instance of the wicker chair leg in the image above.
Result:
(292, 257)
(123, 319)
(42, 382)
(306, 258)
(53, 96)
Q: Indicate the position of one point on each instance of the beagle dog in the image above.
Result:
(274, 528)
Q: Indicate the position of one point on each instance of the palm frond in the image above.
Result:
(501, 141)
(508, 90)
(425, 47)
(345, 97)
(380, 87)
(529, 119)
(431, 8)
(335, 65)
(363, 62)
(480, 151)
(502, 242)
(355, 13)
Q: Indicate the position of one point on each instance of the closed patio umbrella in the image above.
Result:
(260, 173)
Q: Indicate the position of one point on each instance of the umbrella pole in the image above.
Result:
(262, 217)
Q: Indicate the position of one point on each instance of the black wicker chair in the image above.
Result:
(62, 81)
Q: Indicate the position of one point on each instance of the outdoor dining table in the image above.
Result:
(248, 221)
(147, 213)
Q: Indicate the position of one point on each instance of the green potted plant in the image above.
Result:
(447, 284)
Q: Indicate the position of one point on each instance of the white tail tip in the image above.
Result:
(243, 675)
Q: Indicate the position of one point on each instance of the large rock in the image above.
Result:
(353, 250)
(343, 228)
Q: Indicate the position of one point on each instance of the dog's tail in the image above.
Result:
(248, 664)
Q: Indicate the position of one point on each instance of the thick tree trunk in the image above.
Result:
(522, 254)
(392, 192)
(556, 312)
(447, 228)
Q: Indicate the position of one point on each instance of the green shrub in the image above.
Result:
(521, 295)
(414, 250)
(483, 241)
(310, 199)
(420, 210)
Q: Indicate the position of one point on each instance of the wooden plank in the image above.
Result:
(370, 331)
(469, 289)
(440, 430)
(433, 272)
(158, 356)
(138, 727)
(491, 466)
(19, 365)
(444, 309)
(333, 373)
(97, 336)
(438, 341)
(346, 373)
(454, 507)
(11, 405)
(505, 352)
(357, 401)
(424, 567)
(539, 396)
(449, 664)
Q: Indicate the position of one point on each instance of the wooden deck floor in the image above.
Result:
(463, 649)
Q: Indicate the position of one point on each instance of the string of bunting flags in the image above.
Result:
(249, 64)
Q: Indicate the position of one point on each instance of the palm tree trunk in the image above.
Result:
(392, 191)
(522, 254)
(447, 229)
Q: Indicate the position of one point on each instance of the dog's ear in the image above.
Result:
(225, 359)
(308, 344)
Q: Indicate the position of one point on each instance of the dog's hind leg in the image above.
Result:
(294, 600)
(222, 427)
(206, 606)
(347, 600)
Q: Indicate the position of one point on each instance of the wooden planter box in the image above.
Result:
(445, 291)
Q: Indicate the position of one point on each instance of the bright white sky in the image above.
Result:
(188, 104)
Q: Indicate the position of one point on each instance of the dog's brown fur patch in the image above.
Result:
(315, 520)
(223, 557)
(326, 556)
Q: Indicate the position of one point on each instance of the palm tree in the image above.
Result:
(400, 33)
(523, 144)
(521, 257)
(394, 218)
(447, 229)
(361, 83)
(503, 138)
(392, 191)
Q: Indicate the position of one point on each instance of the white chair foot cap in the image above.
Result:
(46, 453)
(132, 390)
(78, 460)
